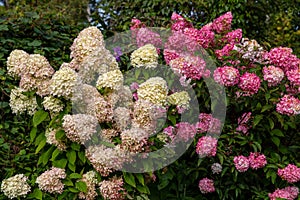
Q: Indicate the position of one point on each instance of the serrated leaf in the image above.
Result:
(73, 190)
(143, 189)
(129, 178)
(38, 117)
(257, 119)
(81, 186)
(72, 167)
(71, 155)
(67, 182)
(140, 178)
(75, 176)
(277, 132)
(60, 163)
(55, 153)
(41, 145)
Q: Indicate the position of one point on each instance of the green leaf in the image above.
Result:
(73, 190)
(81, 156)
(143, 189)
(75, 146)
(60, 163)
(271, 123)
(140, 178)
(60, 134)
(72, 167)
(257, 119)
(38, 117)
(266, 107)
(37, 194)
(81, 186)
(33, 134)
(55, 153)
(75, 176)
(35, 43)
(277, 132)
(67, 182)
(129, 178)
(71, 155)
(4, 28)
(41, 145)
(276, 141)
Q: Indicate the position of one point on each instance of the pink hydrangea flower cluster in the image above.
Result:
(227, 76)
(207, 123)
(185, 131)
(49, 181)
(288, 105)
(241, 163)
(257, 160)
(225, 51)
(294, 77)
(243, 125)
(222, 23)
(288, 193)
(146, 36)
(112, 189)
(206, 185)
(204, 37)
(249, 83)
(207, 146)
(233, 37)
(273, 75)
(136, 24)
(291, 173)
(282, 57)
(180, 23)
(170, 55)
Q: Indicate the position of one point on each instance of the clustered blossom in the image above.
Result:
(87, 41)
(206, 185)
(222, 23)
(20, 103)
(294, 77)
(112, 189)
(134, 140)
(288, 105)
(91, 180)
(105, 160)
(16, 62)
(144, 116)
(170, 55)
(15, 186)
(216, 168)
(122, 117)
(233, 37)
(243, 123)
(227, 76)
(50, 135)
(49, 181)
(282, 57)
(179, 99)
(291, 173)
(273, 75)
(112, 79)
(227, 50)
(207, 146)
(63, 82)
(241, 163)
(257, 160)
(180, 23)
(288, 193)
(207, 123)
(184, 131)
(250, 50)
(153, 90)
(145, 56)
(249, 83)
(146, 36)
(52, 104)
(79, 127)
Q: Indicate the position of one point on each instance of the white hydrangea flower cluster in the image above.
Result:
(64, 82)
(122, 117)
(145, 56)
(15, 186)
(52, 104)
(16, 63)
(90, 179)
(49, 181)
(79, 127)
(112, 79)
(51, 139)
(250, 49)
(112, 189)
(143, 116)
(179, 99)
(155, 90)
(105, 160)
(20, 103)
(134, 140)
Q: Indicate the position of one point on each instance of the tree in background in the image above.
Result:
(272, 23)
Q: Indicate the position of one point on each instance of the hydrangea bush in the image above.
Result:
(90, 121)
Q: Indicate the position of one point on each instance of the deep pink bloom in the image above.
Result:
(146, 36)
(288, 193)
(222, 23)
(207, 146)
(288, 105)
(225, 51)
(206, 185)
(180, 23)
(228, 76)
(170, 55)
(282, 57)
(185, 131)
(294, 77)
(241, 163)
(257, 160)
(249, 83)
(243, 125)
(273, 75)
(207, 123)
(290, 173)
(135, 25)
(233, 37)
